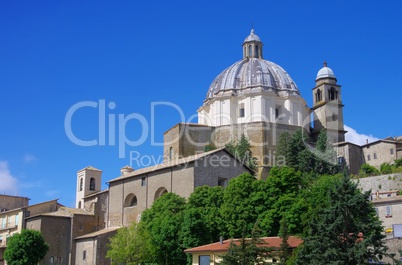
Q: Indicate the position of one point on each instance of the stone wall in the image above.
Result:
(381, 183)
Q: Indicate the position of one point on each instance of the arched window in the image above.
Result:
(81, 183)
(160, 192)
(170, 153)
(92, 184)
(318, 96)
(333, 94)
(250, 51)
(256, 51)
(130, 201)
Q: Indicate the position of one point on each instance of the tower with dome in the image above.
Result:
(259, 99)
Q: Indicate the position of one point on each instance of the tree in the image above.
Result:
(247, 251)
(27, 248)
(202, 221)
(285, 251)
(242, 151)
(283, 146)
(346, 232)
(129, 246)
(245, 198)
(284, 187)
(163, 222)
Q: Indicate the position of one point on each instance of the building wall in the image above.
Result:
(86, 251)
(56, 232)
(379, 152)
(352, 154)
(98, 205)
(176, 179)
(8, 202)
(95, 250)
(185, 140)
(215, 169)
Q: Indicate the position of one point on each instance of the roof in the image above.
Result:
(96, 193)
(30, 206)
(174, 163)
(66, 212)
(253, 72)
(252, 37)
(98, 233)
(273, 242)
(90, 168)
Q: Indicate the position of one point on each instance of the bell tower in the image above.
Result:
(327, 105)
(88, 182)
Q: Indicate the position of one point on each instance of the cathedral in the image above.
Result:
(259, 99)
(254, 97)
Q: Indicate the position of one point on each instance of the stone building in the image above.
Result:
(375, 153)
(259, 99)
(15, 211)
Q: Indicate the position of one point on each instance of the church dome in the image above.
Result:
(247, 74)
(325, 72)
(253, 73)
(252, 37)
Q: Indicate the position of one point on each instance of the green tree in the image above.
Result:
(245, 198)
(242, 151)
(285, 251)
(129, 246)
(283, 146)
(163, 222)
(202, 222)
(247, 251)
(326, 159)
(27, 248)
(283, 187)
(346, 232)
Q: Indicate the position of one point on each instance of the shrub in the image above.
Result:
(369, 170)
(385, 168)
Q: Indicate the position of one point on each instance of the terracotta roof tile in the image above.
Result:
(273, 242)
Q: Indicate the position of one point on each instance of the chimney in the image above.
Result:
(124, 171)
(366, 141)
(221, 240)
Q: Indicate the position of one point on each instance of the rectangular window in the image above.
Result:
(84, 255)
(276, 113)
(376, 211)
(368, 157)
(3, 222)
(222, 182)
(389, 210)
(391, 151)
(1, 239)
(16, 219)
(204, 260)
(143, 182)
(242, 112)
(375, 155)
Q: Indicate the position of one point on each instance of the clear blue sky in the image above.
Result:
(54, 54)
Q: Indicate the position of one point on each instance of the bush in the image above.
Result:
(385, 168)
(398, 162)
(368, 170)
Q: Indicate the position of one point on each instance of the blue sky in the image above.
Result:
(55, 54)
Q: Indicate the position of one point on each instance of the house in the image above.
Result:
(12, 220)
(211, 254)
